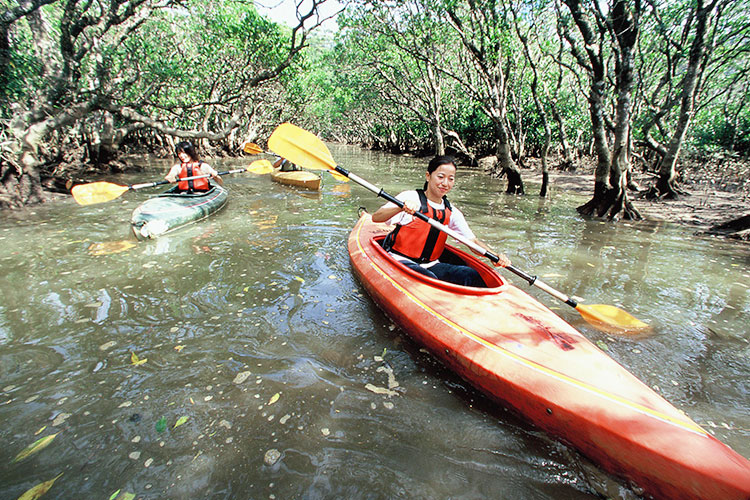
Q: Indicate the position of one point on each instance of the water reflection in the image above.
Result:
(265, 288)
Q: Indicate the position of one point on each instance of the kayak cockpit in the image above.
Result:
(451, 255)
(176, 192)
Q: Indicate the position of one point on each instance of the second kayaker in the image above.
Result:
(419, 245)
(190, 166)
(285, 165)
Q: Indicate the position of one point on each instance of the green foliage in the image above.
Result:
(188, 59)
(389, 73)
(23, 74)
(720, 130)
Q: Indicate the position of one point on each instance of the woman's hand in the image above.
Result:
(389, 210)
(502, 260)
(411, 207)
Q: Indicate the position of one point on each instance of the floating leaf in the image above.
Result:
(107, 346)
(135, 360)
(180, 421)
(122, 496)
(380, 390)
(40, 430)
(36, 446)
(161, 424)
(299, 279)
(241, 377)
(60, 419)
(39, 490)
(179, 348)
(274, 398)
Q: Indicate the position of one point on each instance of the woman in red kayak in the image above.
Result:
(190, 166)
(417, 244)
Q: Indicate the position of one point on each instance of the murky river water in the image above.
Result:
(263, 291)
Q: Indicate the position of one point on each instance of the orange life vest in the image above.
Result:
(190, 170)
(418, 240)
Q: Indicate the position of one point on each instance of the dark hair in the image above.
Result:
(436, 162)
(187, 148)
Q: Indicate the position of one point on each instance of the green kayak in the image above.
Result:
(172, 210)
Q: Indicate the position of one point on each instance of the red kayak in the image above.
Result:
(517, 351)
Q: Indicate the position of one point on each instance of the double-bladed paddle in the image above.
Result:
(302, 147)
(99, 192)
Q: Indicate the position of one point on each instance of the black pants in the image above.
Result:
(452, 273)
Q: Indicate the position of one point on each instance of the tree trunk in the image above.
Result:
(568, 160)
(507, 166)
(625, 25)
(435, 106)
(598, 203)
(459, 145)
(487, 60)
(610, 186)
(567, 154)
(437, 134)
(535, 92)
(665, 186)
(19, 187)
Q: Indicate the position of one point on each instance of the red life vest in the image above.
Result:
(418, 240)
(190, 170)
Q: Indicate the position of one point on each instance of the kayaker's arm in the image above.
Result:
(389, 210)
(209, 170)
(171, 176)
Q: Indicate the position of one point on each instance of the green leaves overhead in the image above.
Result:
(189, 60)
(384, 47)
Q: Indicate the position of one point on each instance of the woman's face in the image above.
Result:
(441, 181)
(183, 156)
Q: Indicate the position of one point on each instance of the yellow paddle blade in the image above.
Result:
(260, 167)
(611, 318)
(301, 147)
(252, 149)
(338, 176)
(96, 192)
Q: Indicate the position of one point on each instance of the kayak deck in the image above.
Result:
(172, 210)
(520, 353)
